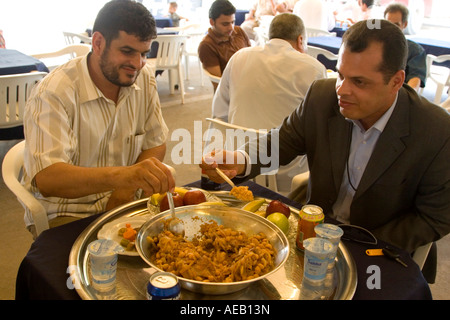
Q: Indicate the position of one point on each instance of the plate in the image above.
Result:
(153, 209)
(111, 230)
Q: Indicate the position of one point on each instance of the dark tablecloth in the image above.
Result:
(14, 62)
(43, 273)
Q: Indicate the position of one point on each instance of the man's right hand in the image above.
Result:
(227, 161)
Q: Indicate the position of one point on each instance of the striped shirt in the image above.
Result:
(68, 119)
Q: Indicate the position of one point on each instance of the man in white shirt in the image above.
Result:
(93, 127)
(262, 85)
(315, 14)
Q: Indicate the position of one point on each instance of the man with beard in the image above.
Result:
(95, 135)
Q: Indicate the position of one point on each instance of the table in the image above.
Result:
(431, 46)
(44, 272)
(13, 62)
(240, 16)
(163, 22)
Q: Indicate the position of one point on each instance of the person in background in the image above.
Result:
(377, 151)
(223, 38)
(173, 15)
(315, 14)
(2, 40)
(259, 9)
(93, 128)
(416, 63)
(286, 72)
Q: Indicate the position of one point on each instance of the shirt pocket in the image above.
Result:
(135, 143)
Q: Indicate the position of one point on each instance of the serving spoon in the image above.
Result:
(225, 177)
(176, 226)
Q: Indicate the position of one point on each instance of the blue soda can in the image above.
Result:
(163, 286)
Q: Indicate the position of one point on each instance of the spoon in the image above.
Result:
(225, 177)
(176, 226)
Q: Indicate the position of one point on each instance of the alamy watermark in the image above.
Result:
(190, 149)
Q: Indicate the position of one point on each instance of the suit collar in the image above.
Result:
(390, 144)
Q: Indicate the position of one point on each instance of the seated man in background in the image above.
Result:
(416, 63)
(259, 9)
(377, 152)
(93, 127)
(223, 38)
(263, 85)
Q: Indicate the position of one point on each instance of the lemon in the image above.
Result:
(280, 220)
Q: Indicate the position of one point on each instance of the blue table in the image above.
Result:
(431, 46)
(240, 16)
(163, 22)
(14, 62)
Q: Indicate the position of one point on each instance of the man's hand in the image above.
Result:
(227, 161)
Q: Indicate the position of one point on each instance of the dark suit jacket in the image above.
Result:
(404, 194)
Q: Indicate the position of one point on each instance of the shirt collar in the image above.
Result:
(382, 122)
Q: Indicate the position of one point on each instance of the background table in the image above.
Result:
(14, 62)
(431, 46)
(43, 274)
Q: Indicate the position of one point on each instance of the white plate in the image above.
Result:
(111, 230)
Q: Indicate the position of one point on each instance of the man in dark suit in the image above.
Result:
(378, 153)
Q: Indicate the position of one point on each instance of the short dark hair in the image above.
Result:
(359, 36)
(368, 3)
(125, 15)
(398, 7)
(286, 26)
(219, 7)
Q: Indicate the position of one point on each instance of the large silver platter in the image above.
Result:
(133, 272)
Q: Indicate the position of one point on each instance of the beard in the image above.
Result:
(112, 72)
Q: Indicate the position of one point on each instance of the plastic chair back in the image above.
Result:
(56, 58)
(168, 57)
(316, 52)
(12, 169)
(14, 92)
(313, 32)
(76, 38)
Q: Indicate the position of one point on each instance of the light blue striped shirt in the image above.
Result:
(362, 145)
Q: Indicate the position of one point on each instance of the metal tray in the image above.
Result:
(133, 273)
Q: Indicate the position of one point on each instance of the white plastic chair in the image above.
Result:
(168, 57)
(71, 38)
(269, 180)
(12, 170)
(194, 37)
(440, 75)
(316, 51)
(56, 58)
(14, 92)
(313, 32)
